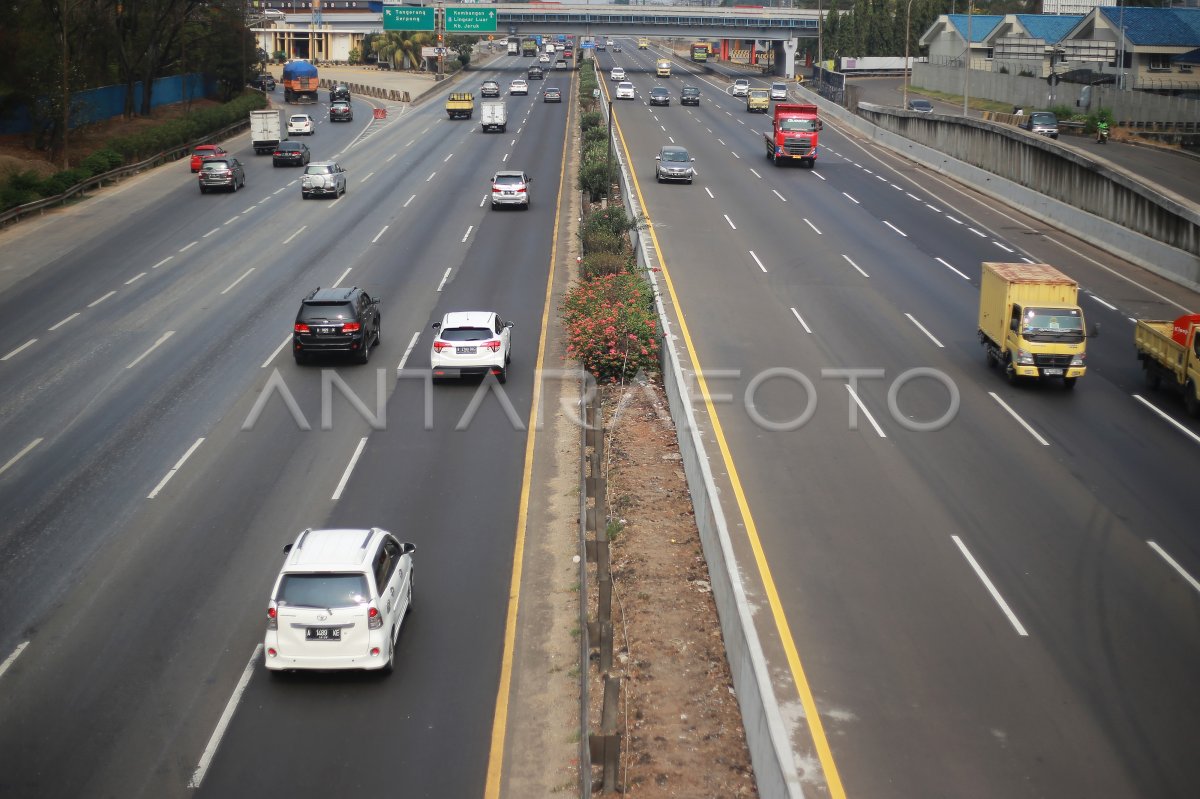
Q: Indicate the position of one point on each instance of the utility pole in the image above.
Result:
(967, 63)
(439, 25)
(907, 36)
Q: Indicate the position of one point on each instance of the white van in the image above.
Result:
(493, 115)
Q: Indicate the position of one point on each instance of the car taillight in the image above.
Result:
(300, 327)
(272, 619)
(497, 188)
(351, 327)
(521, 190)
(277, 152)
(493, 345)
(374, 620)
(438, 346)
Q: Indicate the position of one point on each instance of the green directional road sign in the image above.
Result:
(470, 20)
(408, 18)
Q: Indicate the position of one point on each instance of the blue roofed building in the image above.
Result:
(1142, 45)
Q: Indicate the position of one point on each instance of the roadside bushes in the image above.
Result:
(611, 329)
(596, 173)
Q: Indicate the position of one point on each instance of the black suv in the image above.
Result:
(536, 73)
(689, 96)
(339, 92)
(340, 111)
(336, 320)
(290, 152)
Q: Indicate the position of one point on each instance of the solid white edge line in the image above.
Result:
(20, 455)
(171, 472)
(893, 227)
(94, 303)
(867, 413)
(951, 268)
(1012, 617)
(278, 349)
(288, 240)
(760, 263)
(29, 343)
(1156, 409)
(342, 277)
(8, 661)
(245, 275)
(404, 358)
(153, 347)
(856, 266)
(1162, 553)
(1107, 305)
(341, 486)
(215, 740)
(1016, 416)
(445, 277)
(913, 319)
(63, 322)
(379, 234)
(800, 319)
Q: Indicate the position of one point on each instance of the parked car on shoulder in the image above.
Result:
(301, 125)
(221, 173)
(323, 178)
(203, 151)
(341, 112)
(290, 153)
(341, 321)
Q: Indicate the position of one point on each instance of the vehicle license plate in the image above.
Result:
(323, 634)
(464, 350)
(509, 193)
(325, 330)
(1053, 371)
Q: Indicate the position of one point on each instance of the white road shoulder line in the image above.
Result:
(8, 661)
(1177, 425)
(1161, 552)
(178, 465)
(863, 408)
(223, 722)
(1012, 617)
(24, 451)
(341, 486)
(1014, 415)
(153, 347)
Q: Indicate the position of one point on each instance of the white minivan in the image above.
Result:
(339, 601)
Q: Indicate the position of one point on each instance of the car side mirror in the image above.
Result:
(287, 548)
(437, 325)
(693, 159)
(407, 548)
(820, 125)
(658, 158)
(508, 324)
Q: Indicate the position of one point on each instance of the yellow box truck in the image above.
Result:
(1030, 322)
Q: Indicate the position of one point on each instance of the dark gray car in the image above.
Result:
(221, 173)
(674, 163)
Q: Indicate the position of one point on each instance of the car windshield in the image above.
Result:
(674, 155)
(325, 311)
(658, 92)
(319, 170)
(758, 92)
(289, 148)
(798, 125)
(299, 119)
(465, 334)
(1043, 118)
(323, 590)
(689, 91)
(507, 180)
(778, 87)
(215, 166)
(740, 82)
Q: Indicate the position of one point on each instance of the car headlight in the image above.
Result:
(1077, 359)
(1025, 357)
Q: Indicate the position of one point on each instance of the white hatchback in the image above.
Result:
(625, 90)
(471, 343)
(339, 601)
(301, 125)
(617, 73)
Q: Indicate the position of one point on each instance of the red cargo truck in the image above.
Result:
(793, 135)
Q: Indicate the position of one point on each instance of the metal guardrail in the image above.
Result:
(173, 154)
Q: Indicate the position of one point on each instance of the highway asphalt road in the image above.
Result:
(1002, 605)
(1177, 172)
(147, 496)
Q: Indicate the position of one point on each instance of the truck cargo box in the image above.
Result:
(1024, 284)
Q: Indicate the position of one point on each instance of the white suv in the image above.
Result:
(617, 73)
(301, 125)
(741, 87)
(511, 187)
(471, 342)
(625, 90)
(339, 601)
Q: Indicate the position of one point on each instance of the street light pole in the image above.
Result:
(907, 36)
(967, 62)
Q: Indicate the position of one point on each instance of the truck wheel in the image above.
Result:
(1150, 376)
(1069, 382)
(991, 358)
(1190, 401)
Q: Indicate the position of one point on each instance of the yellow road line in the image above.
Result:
(500, 720)
(811, 714)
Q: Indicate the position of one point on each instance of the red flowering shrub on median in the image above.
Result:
(611, 326)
